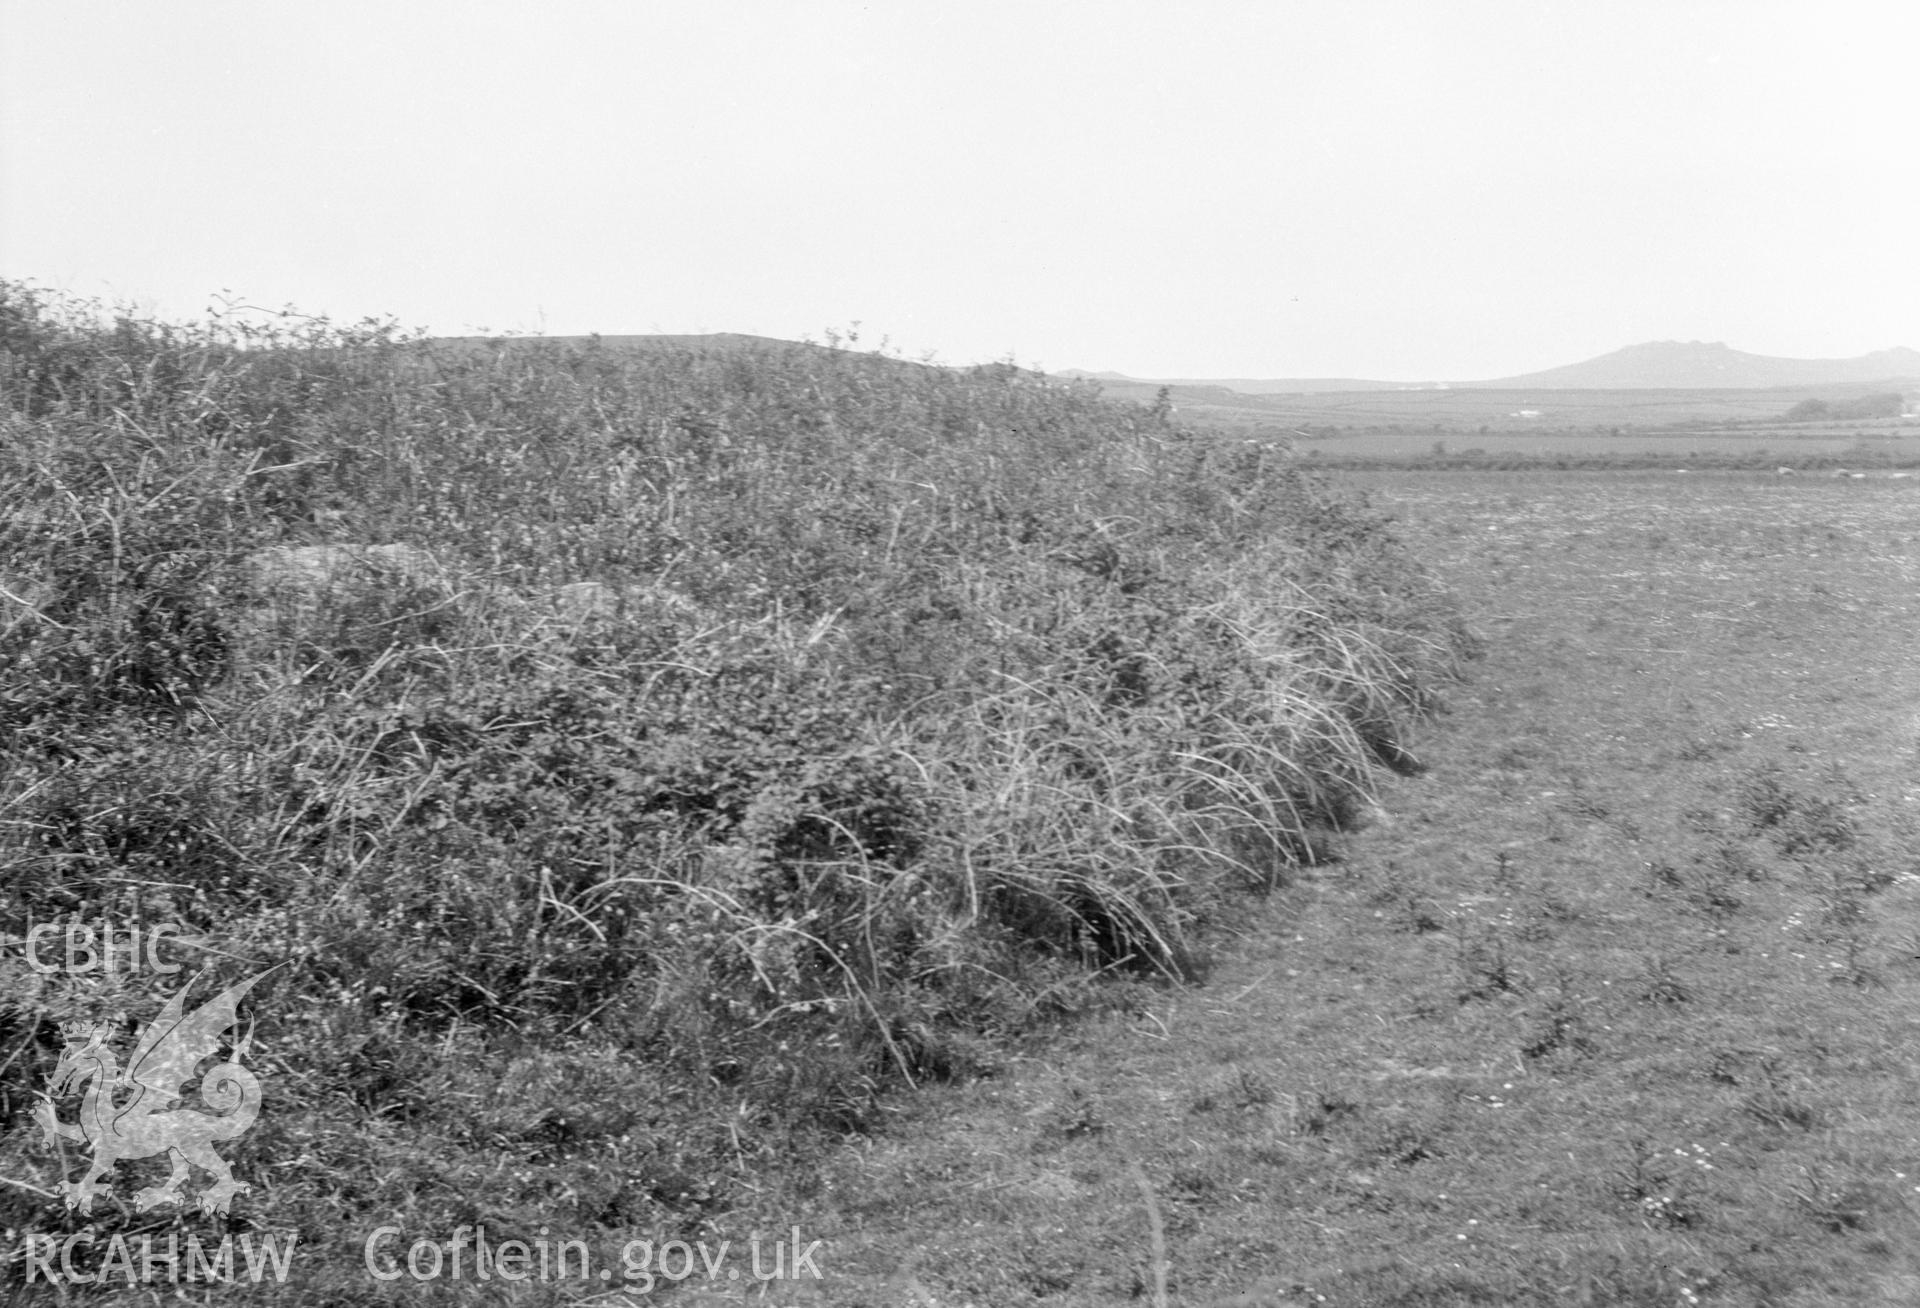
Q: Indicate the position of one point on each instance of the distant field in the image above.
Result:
(1435, 451)
(1676, 446)
(1501, 410)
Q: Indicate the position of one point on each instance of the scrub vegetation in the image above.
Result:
(635, 764)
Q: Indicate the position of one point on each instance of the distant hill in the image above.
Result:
(1656, 365)
(1695, 365)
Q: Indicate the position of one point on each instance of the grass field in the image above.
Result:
(1616, 1008)
(1676, 449)
(1462, 410)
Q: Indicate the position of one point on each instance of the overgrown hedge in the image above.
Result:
(909, 701)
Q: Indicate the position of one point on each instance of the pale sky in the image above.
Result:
(1397, 189)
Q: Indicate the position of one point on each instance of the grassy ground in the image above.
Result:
(1616, 1008)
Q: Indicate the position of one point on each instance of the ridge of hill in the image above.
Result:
(1661, 365)
(1651, 365)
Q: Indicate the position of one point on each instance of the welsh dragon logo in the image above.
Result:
(169, 1051)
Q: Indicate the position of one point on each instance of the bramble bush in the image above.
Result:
(920, 700)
